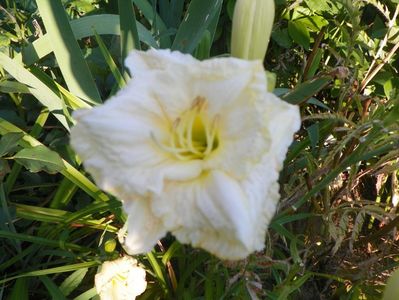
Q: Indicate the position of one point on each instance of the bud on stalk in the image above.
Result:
(252, 26)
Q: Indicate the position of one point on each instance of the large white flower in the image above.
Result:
(191, 147)
(121, 279)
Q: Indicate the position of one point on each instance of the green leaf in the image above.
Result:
(299, 33)
(198, 17)
(69, 172)
(171, 251)
(315, 64)
(293, 286)
(4, 168)
(83, 27)
(13, 87)
(89, 294)
(67, 51)
(158, 270)
(37, 88)
(313, 132)
(110, 62)
(20, 290)
(42, 214)
(9, 142)
(204, 47)
(56, 270)
(53, 290)
(4, 40)
(65, 191)
(39, 241)
(175, 12)
(35, 132)
(40, 158)
(282, 38)
(73, 281)
(129, 35)
(155, 20)
(302, 92)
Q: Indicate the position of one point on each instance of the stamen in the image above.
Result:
(192, 135)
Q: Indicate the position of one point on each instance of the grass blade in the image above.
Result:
(56, 270)
(53, 290)
(67, 52)
(69, 172)
(40, 241)
(72, 281)
(129, 35)
(110, 62)
(20, 290)
(37, 88)
(82, 28)
(198, 17)
(155, 20)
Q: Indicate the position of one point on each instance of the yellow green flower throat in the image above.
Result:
(193, 135)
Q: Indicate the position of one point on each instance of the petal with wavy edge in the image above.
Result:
(284, 121)
(144, 229)
(211, 213)
(220, 80)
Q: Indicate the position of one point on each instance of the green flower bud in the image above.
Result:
(252, 27)
(109, 245)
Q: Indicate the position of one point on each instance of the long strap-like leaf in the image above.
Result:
(37, 88)
(67, 52)
(129, 35)
(198, 17)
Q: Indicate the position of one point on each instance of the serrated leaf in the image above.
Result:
(40, 158)
(9, 142)
(73, 281)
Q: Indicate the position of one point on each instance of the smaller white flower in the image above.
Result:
(120, 279)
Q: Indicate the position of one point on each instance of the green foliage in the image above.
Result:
(334, 235)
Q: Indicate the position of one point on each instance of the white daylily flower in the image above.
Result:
(120, 279)
(191, 147)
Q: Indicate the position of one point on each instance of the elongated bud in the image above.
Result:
(252, 26)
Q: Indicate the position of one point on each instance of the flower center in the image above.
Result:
(193, 135)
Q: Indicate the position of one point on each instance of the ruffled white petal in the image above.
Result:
(152, 60)
(144, 229)
(281, 120)
(222, 81)
(212, 213)
(284, 121)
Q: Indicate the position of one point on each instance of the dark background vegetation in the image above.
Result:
(335, 233)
